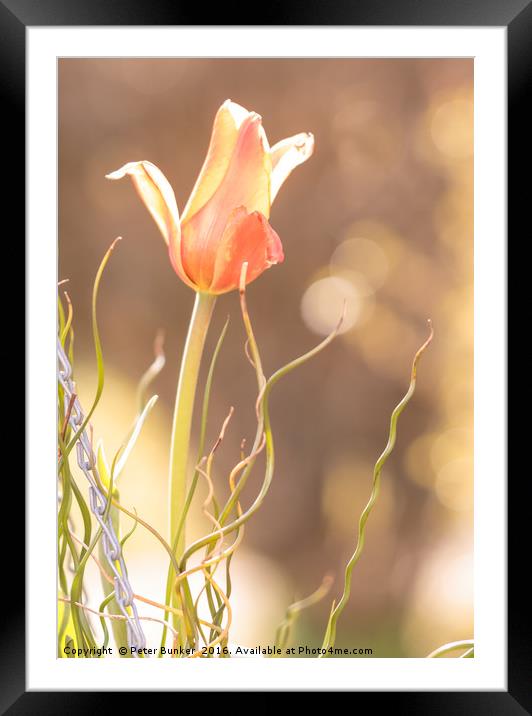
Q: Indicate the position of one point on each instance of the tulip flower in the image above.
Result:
(224, 225)
(225, 221)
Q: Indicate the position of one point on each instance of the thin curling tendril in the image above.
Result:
(330, 633)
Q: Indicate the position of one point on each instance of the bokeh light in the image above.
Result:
(452, 128)
(363, 257)
(323, 303)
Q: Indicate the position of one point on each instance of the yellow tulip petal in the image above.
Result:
(155, 191)
(228, 149)
(158, 196)
(223, 140)
(286, 155)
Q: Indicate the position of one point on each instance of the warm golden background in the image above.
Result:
(382, 214)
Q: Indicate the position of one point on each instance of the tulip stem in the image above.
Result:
(183, 411)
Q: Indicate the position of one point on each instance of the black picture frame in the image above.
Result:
(516, 16)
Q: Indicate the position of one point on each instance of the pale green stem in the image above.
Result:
(184, 407)
(183, 411)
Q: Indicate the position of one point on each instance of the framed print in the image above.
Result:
(266, 425)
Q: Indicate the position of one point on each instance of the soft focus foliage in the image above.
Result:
(385, 211)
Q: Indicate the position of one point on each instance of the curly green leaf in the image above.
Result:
(294, 610)
(330, 634)
(466, 645)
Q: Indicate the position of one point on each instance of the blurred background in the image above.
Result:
(380, 216)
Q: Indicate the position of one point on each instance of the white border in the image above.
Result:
(487, 671)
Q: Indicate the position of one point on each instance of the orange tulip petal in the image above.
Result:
(158, 196)
(245, 184)
(286, 155)
(247, 237)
